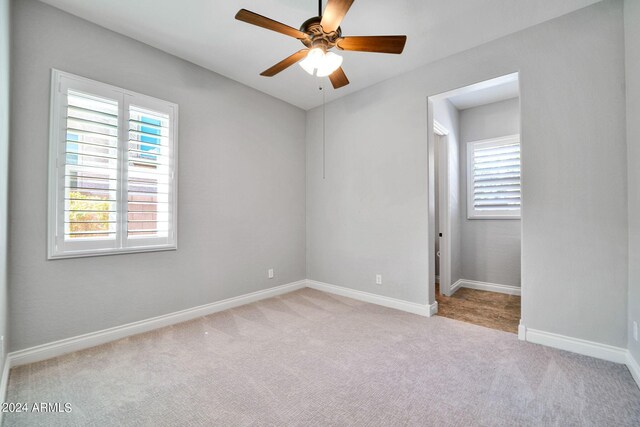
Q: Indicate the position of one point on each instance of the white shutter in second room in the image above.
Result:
(494, 178)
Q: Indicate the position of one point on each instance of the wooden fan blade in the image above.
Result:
(334, 13)
(285, 63)
(264, 22)
(338, 78)
(380, 44)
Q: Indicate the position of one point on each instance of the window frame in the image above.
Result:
(57, 248)
(472, 213)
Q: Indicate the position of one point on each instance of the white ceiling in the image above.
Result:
(206, 33)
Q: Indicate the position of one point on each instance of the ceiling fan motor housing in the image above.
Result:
(317, 36)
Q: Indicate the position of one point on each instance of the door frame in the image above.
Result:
(440, 137)
(477, 85)
(431, 237)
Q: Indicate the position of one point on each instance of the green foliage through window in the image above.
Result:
(86, 216)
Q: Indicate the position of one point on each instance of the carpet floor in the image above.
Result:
(309, 358)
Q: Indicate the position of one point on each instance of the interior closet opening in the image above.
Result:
(475, 210)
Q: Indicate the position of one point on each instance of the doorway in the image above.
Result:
(476, 204)
(442, 208)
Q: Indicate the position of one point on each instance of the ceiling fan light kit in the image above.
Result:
(320, 63)
(320, 34)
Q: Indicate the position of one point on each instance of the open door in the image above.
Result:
(443, 205)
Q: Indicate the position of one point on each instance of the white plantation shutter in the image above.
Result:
(112, 170)
(150, 159)
(493, 178)
(90, 167)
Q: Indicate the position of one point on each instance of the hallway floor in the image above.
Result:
(490, 309)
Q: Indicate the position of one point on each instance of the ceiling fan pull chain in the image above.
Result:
(321, 89)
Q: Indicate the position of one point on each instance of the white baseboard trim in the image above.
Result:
(522, 331)
(584, 347)
(433, 309)
(457, 285)
(81, 342)
(634, 367)
(485, 286)
(577, 345)
(411, 307)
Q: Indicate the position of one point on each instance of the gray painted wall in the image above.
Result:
(241, 197)
(632, 42)
(490, 247)
(241, 187)
(370, 214)
(5, 38)
(445, 113)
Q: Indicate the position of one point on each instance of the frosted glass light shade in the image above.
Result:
(321, 64)
(331, 63)
(313, 60)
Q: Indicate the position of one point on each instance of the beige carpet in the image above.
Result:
(313, 359)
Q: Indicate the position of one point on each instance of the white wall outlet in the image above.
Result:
(270, 273)
(635, 331)
(378, 279)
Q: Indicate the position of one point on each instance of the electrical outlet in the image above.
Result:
(378, 279)
(635, 331)
(270, 273)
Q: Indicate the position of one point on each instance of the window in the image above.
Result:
(493, 178)
(112, 183)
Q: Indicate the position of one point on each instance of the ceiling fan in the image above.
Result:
(319, 34)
